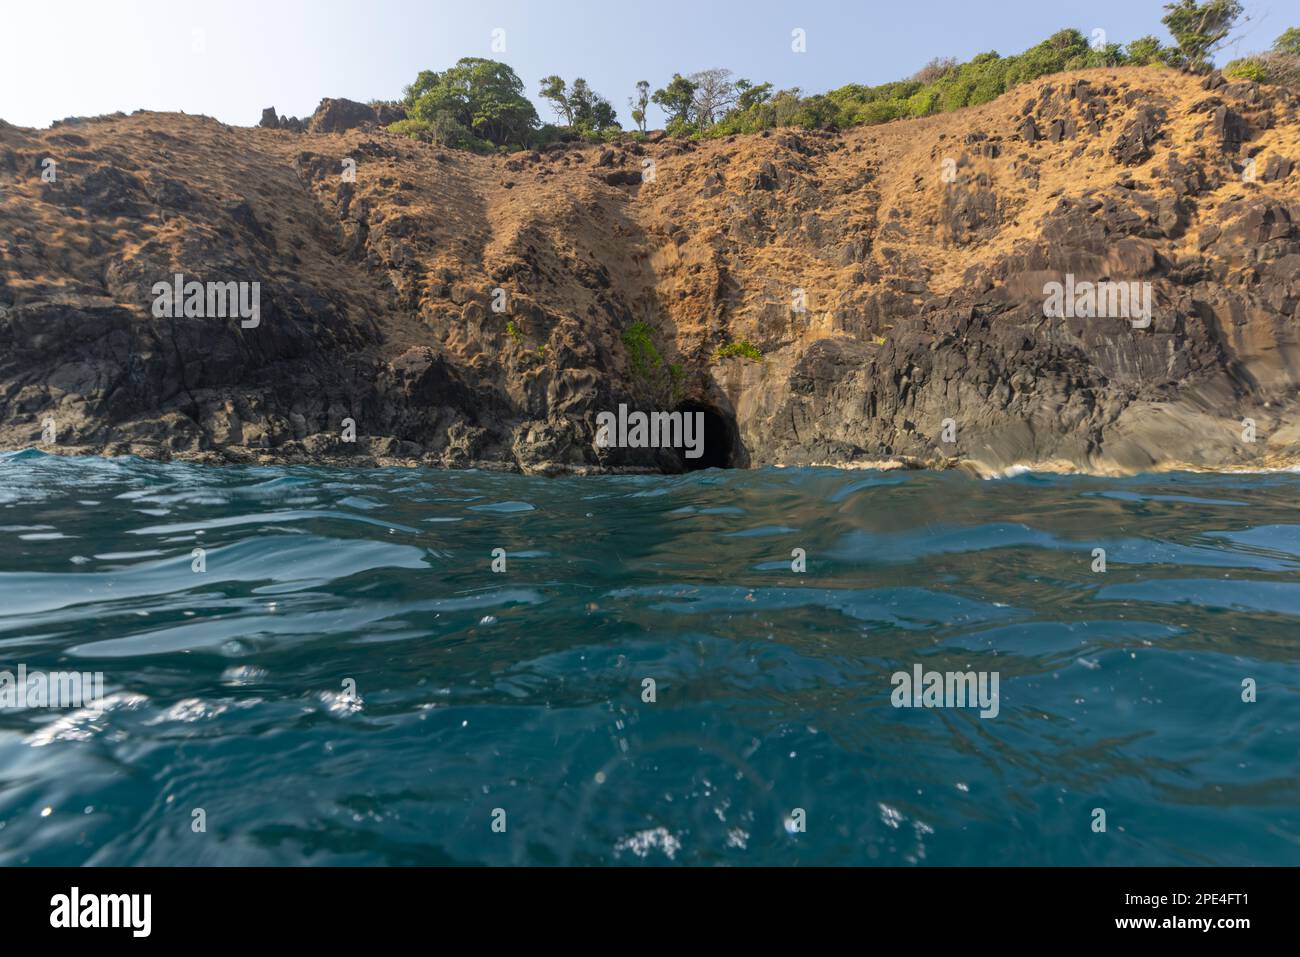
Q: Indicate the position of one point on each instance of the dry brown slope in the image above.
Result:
(1141, 180)
(922, 281)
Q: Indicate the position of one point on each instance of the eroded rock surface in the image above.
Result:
(466, 310)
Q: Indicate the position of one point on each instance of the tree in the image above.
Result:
(553, 89)
(581, 102)
(936, 69)
(751, 94)
(675, 99)
(603, 116)
(1051, 56)
(1200, 29)
(1288, 44)
(640, 103)
(1144, 51)
(817, 112)
(714, 95)
(786, 105)
(583, 108)
(1284, 59)
(483, 99)
(579, 106)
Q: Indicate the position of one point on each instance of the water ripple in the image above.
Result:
(363, 666)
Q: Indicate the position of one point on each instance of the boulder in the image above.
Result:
(339, 115)
(1133, 146)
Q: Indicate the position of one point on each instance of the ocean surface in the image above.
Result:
(347, 681)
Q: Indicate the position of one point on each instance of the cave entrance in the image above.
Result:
(719, 451)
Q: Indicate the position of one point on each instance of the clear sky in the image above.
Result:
(230, 59)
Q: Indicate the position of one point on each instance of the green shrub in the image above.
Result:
(1280, 65)
(1248, 68)
(443, 130)
(680, 127)
(879, 111)
(741, 347)
(415, 129)
(816, 112)
(677, 374)
(641, 351)
(1144, 51)
(923, 102)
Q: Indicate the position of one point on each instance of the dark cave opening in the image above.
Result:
(718, 449)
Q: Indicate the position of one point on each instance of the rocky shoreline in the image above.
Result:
(821, 297)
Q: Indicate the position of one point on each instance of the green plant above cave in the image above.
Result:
(677, 373)
(642, 354)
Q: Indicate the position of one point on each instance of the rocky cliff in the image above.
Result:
(823, 297)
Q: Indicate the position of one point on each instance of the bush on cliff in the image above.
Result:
(742, 348)
(642, 354)
(1280, 65)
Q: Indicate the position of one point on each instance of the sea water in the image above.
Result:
(393, 666)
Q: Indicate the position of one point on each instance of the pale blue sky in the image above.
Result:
(231, 59)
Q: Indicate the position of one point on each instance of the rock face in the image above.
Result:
(336, 116)
(1100, 271)
(270, 121)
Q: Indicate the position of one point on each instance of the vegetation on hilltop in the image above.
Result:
(582, 108)
(1281, 64)
(479, 104)
(475, 104)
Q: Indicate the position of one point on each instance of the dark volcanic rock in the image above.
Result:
(1276, 168)
(335, 116)
(1133, 146)
(272, 122)
(338, 115)
(1229, 129)
(886, 293)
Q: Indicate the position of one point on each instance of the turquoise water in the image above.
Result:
(226, 689)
